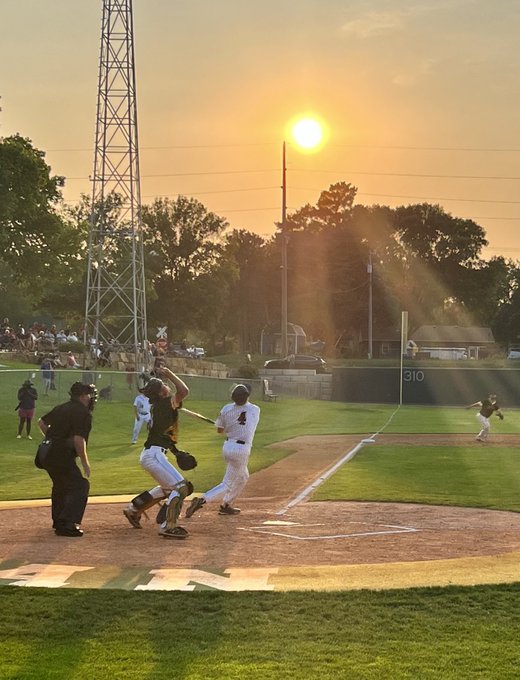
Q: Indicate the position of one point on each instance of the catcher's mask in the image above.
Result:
(240, 394)
(78, 389)
(152, 388)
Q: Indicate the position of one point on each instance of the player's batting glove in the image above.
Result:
(501, 416)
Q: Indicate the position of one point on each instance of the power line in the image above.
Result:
(405, 174)
(392, 147)
(336, 172)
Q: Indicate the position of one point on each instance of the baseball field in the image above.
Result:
(403, 563)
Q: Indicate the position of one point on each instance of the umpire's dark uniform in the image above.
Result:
(69, 487)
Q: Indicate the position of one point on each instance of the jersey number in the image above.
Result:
(242, 418)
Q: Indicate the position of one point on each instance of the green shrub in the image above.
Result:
(247, 371)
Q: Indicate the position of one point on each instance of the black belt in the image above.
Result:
(238, 441)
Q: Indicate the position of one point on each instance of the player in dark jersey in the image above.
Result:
(162, 438)
(487, 407)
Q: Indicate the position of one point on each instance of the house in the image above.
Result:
(271, 340)
(473, 340)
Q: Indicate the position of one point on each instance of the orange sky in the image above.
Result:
(421, 99)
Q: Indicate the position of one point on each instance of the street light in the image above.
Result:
(308, 135)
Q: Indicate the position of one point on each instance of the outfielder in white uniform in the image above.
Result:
(142, 415)
(237, 422)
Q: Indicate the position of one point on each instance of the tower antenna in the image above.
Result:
(115, 310)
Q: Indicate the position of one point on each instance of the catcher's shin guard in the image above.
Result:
(161, 515)
(174, 504)
(144, 501)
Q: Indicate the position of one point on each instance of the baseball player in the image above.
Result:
(237, 422)
(487, 408)
(142, 415)
(162, 438)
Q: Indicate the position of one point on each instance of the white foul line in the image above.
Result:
(308, 490)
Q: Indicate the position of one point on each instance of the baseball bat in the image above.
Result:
(194, 414)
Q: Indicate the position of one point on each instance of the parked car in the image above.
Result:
(301, 361)
(514, 353)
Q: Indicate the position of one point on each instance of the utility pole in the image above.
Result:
(283, 228)
(369, 270)
(115, 303)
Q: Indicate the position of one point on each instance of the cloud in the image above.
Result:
(413, 76)
(375, 23)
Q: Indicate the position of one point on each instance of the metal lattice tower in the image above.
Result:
(116, 304)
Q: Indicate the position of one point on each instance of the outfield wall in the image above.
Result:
(427, 386)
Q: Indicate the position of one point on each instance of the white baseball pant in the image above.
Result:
(236, 475)
(138, 424)
(486, 426)
(155, 462)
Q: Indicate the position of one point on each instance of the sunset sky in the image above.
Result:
(421, 100)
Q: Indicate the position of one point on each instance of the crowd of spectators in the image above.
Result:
(47, 341)
(35, 338)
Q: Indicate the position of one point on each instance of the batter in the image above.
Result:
(237, 422)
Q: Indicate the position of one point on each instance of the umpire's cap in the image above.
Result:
(152, 388)
(77, 389)
(240, 394)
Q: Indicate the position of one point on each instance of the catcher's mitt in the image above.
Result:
(185, 460)
(501, 416)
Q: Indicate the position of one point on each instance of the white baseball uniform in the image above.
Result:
(239, 423)
(142, 406)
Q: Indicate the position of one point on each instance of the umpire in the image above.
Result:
(67, 427)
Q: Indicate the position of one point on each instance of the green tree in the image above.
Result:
(254, 294)
(439, 256)
(327, 259)
(183, 249)
(31, 230)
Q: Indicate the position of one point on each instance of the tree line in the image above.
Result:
(223, 286)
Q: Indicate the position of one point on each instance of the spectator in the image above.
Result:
(71, 361)
(61, 336)
(27, 397)
(46, 369)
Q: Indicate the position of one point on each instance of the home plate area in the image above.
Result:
(322, 532)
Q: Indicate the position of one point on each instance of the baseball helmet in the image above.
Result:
(152, 388)
(240, 394)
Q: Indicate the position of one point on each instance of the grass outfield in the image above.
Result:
(452, 633)
(440, 475)
(115, 467)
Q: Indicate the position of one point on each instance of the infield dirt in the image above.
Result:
(315, 534)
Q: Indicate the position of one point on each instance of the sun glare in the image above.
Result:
(307, 133)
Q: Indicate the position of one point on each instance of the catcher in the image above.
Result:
(162, 438)
(487, 407)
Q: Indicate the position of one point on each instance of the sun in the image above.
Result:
(308, 133)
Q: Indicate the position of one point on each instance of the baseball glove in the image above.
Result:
(185, 460)
(501, 416)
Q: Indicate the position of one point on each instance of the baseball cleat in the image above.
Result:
(196, 504)
(133, 517)
(176, 532)
(226, 509)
